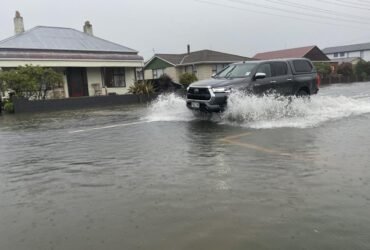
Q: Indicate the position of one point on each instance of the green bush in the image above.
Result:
(30, 81)
(8, 107)
(345, 69)
(362, 69)
(142, 88)
(188, 78)
(323, 68)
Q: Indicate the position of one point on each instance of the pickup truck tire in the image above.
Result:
(302, 93)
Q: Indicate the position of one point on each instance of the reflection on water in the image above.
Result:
(167, 183)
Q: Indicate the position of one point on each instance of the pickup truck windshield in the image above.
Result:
(237, 71)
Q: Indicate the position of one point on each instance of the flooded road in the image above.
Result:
(268, 174)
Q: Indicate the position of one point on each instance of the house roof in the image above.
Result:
(201, 56)
(287, 53)
(173, 59)
(61, 39)
(347, 48)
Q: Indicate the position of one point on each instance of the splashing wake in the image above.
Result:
(266, 111)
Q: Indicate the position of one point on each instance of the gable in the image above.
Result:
(316, 54)
(157, 63)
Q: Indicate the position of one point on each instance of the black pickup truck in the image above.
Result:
(288, 77)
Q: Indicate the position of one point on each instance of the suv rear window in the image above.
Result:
(302, 66)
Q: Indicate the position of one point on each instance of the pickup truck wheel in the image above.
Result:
(302, 93)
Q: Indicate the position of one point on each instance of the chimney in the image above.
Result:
(88, 29)
(188, 49)
(18, 23)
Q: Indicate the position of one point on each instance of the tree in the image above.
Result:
(31, 81)
(323, 68)
(188, 78)
(362, 69)
(345, 69)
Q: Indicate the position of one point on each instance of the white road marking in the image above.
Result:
(107, 127)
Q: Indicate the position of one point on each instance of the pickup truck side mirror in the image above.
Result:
(259, 75)
(213, 75)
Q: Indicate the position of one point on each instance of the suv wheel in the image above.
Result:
(302, 93)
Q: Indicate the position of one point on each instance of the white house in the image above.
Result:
(90, 65)
(349, 51)
(203, 64)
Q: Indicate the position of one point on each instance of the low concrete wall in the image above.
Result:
(25, 106)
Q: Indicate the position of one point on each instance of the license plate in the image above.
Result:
(195, 105)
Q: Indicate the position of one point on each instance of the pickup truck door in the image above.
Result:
(282, 77)
(261, 86)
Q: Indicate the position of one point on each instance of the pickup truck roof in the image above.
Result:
(299, 66)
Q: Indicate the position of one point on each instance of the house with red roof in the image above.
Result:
(310, 52)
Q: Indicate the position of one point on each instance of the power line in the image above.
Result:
(366, 4)
(290, 12)
(312, 8)
(274, 14)
(344, 5)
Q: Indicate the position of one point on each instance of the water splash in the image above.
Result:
(266, 111)
(273, 112)
(169, 107)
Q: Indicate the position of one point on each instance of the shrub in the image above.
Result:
(323, 68)
(8, 106)
(345, 69)
(362, 69)
(30, 81)
(188, 78)
(164, 82)
(141, 88)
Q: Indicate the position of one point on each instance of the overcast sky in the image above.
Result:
(242, 27)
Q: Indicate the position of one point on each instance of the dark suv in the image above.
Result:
(287, 77)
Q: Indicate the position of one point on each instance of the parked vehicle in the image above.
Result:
(287, 77)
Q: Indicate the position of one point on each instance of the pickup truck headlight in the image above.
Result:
(221, 90)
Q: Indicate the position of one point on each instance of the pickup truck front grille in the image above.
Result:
(199, 94)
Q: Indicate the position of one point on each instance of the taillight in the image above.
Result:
(318, 81)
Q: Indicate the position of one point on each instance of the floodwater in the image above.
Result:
(268, 174)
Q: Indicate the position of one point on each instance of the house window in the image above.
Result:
(139, 74)
(191, 69)
(218, 67)
(342, 54)
(335, 54)
(157, 73)
(114, 77)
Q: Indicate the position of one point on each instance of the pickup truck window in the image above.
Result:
(279, 69)
(265, 68)
(237, 71)
(302, 66)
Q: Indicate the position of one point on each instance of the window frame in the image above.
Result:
(282, 63)
(119, 72)
(262, 65)
(302, 72)
(156, 72)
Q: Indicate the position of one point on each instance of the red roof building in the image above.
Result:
(311, 52)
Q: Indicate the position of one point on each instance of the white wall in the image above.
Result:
(366, 55)
(93, 76)
(172, 72)
(353, 54)
(204, 71)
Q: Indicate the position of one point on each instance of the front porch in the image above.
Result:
(96, 81)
